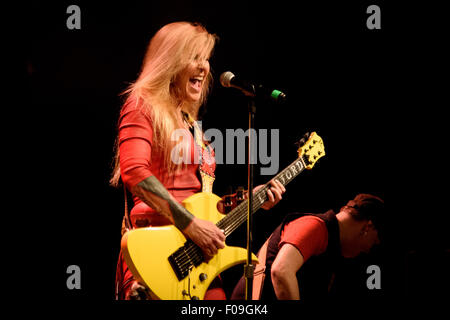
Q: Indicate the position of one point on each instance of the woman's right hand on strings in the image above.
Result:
(206, 235)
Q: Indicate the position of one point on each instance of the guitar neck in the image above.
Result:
(239, 214)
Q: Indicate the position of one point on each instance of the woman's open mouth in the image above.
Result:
(196, 83)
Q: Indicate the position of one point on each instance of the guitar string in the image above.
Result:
(237, 220)
(258, 194)
(241, 216)
(237, 217)
(244, 214)
(286, 180)
(186, 261)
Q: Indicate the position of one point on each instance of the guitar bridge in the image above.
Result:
(185, 258)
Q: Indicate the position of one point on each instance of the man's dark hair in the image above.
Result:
(367, 207)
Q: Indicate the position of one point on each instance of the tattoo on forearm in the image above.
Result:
(154, 194)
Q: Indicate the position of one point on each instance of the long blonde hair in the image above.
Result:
(170, 50)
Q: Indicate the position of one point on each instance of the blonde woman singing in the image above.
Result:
(174, 82)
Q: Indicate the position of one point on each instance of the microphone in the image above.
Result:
(228, 79)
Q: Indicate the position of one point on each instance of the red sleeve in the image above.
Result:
(308, 234)
(135, 141)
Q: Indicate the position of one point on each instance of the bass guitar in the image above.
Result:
(173, 267)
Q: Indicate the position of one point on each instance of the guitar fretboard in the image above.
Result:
(191, 255)
(239, 214)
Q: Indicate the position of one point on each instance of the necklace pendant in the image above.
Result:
(207, 182)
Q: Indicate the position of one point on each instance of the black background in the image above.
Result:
(342, 80)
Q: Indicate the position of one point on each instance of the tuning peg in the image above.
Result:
(303, 140)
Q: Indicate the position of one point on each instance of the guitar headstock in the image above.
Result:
(311, 149)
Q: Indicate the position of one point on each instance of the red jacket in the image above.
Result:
(140, 160)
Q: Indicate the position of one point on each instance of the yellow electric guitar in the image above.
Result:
(172, 267)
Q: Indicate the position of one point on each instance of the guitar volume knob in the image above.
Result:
(203, 276)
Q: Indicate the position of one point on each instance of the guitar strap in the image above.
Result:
(126, 222)
(259, 274)
(126, 225)
(206, 157)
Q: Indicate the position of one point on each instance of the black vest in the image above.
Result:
(316, 275)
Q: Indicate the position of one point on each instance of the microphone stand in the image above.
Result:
(249, 267)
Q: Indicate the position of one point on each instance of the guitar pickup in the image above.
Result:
(185, 258)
